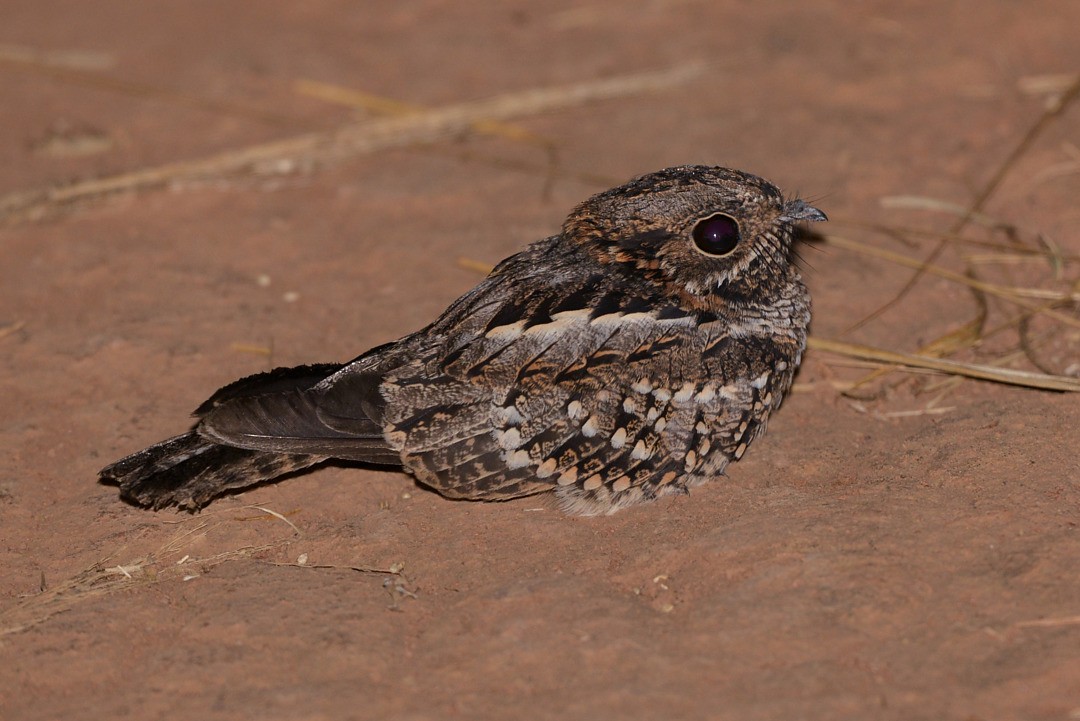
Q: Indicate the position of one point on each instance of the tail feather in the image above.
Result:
(251, 431)
(189, 471)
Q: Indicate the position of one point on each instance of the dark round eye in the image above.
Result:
(716, 235)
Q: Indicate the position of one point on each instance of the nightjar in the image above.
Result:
(630, 356)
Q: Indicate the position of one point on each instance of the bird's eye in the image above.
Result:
(716, 235)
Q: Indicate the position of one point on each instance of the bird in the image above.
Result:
(633, 355)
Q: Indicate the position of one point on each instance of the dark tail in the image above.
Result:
(189, 471)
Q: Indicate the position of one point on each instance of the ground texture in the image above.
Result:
(904, 549)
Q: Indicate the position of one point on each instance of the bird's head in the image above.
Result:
(709, 234)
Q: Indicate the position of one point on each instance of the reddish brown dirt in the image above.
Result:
(858, 564)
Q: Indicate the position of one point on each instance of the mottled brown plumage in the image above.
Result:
(633, 355)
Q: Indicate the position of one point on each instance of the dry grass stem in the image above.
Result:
(68, 59)
(396, 583)
(395, 569)
(1053, 110)
(12, 329)
(312, 149)
(962, 338)
(919, 202)
(1003, 258)
(901, 231)
(258, 350)
(477, 266)
(1009, 376)
(1054, 84)
(388, 106)
(951, 382)
(1014, 295)
(99, 580)
(1050, 622)
(278, 516)
(928, 411)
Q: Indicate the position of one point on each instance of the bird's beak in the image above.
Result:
(797, 210)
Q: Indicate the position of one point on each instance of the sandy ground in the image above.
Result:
(909, 553)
